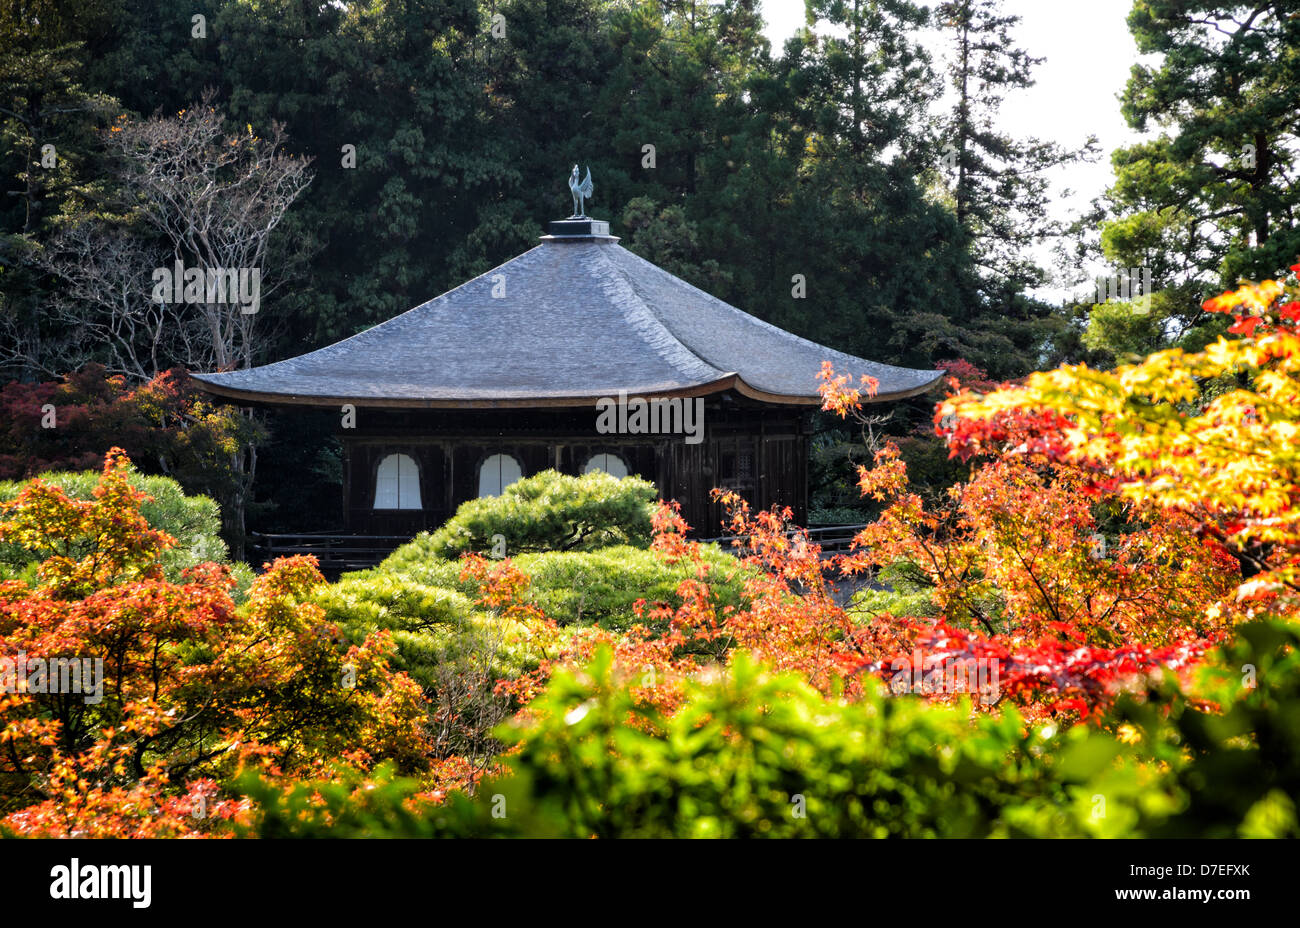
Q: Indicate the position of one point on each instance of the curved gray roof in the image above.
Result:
(579, 319)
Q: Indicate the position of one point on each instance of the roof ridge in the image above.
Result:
(646, 323)
(755, 320)
(391, 320)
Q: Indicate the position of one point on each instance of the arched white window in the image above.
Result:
(497, 473)
(397, 485)
(611, 464)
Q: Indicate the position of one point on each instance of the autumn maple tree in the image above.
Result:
(193, 687)
(1213, 436)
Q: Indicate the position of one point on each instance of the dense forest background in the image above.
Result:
(847, 186)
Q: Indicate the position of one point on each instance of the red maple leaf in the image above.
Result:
(1244, 325)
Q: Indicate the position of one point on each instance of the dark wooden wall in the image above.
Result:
(759, 451)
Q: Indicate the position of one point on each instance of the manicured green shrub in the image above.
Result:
(431, 625)
(600, 587)
(836, 515)
(582, 587)
(867, 603)
(455, 652)
(549, 512)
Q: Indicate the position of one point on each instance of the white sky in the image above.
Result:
(1088, 52)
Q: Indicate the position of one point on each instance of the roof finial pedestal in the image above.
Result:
(579, 228)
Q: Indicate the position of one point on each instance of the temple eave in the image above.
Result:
(262, 397)
(732, 381)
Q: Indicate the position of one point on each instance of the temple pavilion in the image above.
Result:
(576, 355)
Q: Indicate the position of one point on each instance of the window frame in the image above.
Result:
(419, 482)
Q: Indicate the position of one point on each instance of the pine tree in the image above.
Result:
(1215, 191)
(1211, 198)
(1000, 191)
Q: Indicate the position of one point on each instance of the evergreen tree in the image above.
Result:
(387, 98)
(1212, 197)
(887, 271)
(1000, 192)
(50, 160)
(999, 189)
